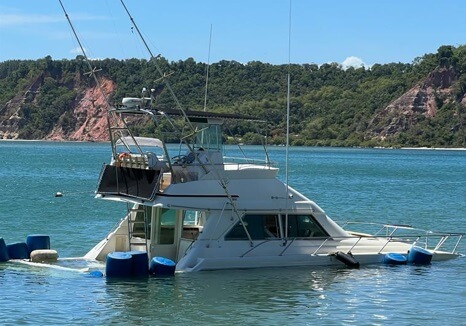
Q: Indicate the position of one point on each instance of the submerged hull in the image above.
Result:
(203, 255)
(301, 255)
(205, 212)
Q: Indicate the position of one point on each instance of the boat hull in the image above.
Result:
(323, 260)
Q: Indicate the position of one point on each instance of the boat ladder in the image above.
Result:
(138, 228)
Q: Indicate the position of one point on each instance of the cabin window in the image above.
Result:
(209, 137)
(271, 227)
(303, 226)
(259, 226)
(192, 218)
(192, 221)
(167, 226)
(266, 226)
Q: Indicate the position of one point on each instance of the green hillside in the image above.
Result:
(330, 106)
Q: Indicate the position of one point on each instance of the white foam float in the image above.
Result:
(44, 255)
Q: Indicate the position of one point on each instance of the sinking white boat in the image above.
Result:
(207, 212)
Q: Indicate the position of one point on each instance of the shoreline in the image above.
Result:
(435, 148)
(377, 147)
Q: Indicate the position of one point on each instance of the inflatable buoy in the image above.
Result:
(347, 259)
(419, 256)
(18, 250)
(160, 266)
(118, 264)
(394, 259)
(3, 251)
(44, 255)
(38, 241)
(139, 263)
(95, 274)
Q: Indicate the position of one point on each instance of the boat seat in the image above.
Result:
(308, 233)
(154, 162)
(270, 232)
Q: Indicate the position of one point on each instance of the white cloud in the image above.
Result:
(354, 62)
(77, 50)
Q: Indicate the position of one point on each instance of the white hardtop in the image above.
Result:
(141, 141)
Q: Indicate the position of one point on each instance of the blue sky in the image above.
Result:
(242, 30)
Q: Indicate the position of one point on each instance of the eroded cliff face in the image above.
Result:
(12, 115)
(9, 124)
(421, 100)
(90, 115)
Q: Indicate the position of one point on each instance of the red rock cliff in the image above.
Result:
(90, 114)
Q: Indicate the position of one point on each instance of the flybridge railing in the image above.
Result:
(246, 160)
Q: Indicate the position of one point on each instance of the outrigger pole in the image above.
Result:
(159, 70)
(92, 70)
(194, 131)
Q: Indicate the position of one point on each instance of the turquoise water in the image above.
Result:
(418, 187)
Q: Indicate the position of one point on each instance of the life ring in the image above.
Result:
(122, 156)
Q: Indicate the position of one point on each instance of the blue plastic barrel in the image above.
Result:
(140, 263)
(393, 258)
(37, 242)
(95, 274)
(18, 250)
(160, 266)
(119, 264)
(419, 256)
(3, 251)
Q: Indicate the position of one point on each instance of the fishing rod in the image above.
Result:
(222, 183)
(92, 70)
(159, 70)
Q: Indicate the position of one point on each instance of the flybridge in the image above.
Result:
(142, 105)
(137, 172)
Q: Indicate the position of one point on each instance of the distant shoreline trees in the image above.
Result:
(330, 106)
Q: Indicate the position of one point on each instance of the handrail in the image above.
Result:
(414, 240)
(385, 226)
(247, 160)
(321, 245)
(455, 248)
(355, 244)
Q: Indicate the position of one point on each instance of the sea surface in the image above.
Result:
(424, 188)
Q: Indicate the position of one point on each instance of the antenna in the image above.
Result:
(159, 70)
(207, 70)
(287, 124)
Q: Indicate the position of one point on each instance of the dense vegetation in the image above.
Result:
(330, 106)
